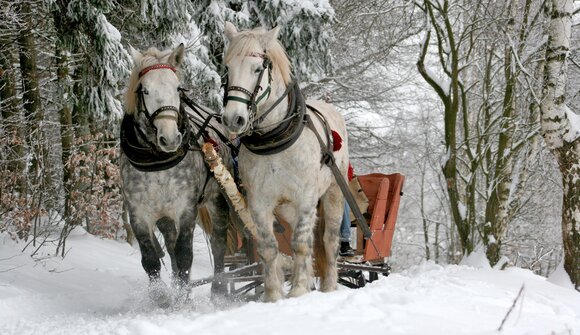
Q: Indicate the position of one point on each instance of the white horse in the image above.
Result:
(280, 162)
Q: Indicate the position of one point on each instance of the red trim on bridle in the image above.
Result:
(156, 67)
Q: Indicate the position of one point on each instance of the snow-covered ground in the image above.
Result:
(100, 288)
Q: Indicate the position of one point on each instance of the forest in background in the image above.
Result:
(452, 94)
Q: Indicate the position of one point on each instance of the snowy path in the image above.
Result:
(99, 288)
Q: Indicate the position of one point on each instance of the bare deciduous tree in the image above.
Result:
(561, 130)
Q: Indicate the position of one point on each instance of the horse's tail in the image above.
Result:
(207, 226)
(205, 220)
(320, 258)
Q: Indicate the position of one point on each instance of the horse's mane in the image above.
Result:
(246, 41)
(150, 57)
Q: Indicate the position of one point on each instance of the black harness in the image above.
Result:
(144, 155)
(140, 151)
(286, 133)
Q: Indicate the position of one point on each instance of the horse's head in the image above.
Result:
(154, 98)
(253, 59)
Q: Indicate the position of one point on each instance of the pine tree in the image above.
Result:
(305, 30)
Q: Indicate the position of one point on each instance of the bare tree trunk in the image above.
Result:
(12, 118)
(28, 63)
(65, 30)
(424, 215)
(450, 96)
(560, 134)
(33, 111)
(66, 129)
(80, 113)
(497, 209)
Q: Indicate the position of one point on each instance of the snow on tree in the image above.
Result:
(560, 130)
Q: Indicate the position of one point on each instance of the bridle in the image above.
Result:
(142, 107)
(254, 99)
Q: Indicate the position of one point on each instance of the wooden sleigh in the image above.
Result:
(383, 191)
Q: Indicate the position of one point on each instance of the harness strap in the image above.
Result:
(276, 103)
(156, 67)
(254, 100)
(329, 160)
(285, 134)
(197, 109)
(326, 149)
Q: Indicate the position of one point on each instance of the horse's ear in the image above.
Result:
(135, 54)
(230, 30)
(269, 37)
(176, 57)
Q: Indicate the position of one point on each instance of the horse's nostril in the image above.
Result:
(162, 140)
(240, 121)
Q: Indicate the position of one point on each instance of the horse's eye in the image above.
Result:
(258, 70)
(144, 90)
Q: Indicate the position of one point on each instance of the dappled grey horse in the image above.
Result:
(163, 172)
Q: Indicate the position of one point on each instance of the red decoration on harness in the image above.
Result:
(336, 141)
(350, 172)
(156, 67)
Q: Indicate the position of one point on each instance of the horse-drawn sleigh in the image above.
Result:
(292, 163)
(379, 193)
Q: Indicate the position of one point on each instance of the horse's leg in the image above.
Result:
(333, 203)
(149, 256)
(167, 227)
(268, 251)
(219, 213)
(302, 241)
(184, 246)
(150, 260)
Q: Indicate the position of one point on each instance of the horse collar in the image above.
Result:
(143, 155)
(285, 134)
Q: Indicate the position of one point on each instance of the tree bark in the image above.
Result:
(497, 209)
(15, 131)
(31, 95)
(66, 128)
(560, 135)
(65, 31)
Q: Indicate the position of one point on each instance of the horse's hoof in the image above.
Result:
(220, 301)
(297, 291)
(328, 287)
(160, 295)
(219, 288)
(272, 296)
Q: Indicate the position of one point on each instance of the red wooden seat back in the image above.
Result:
(384, 194)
